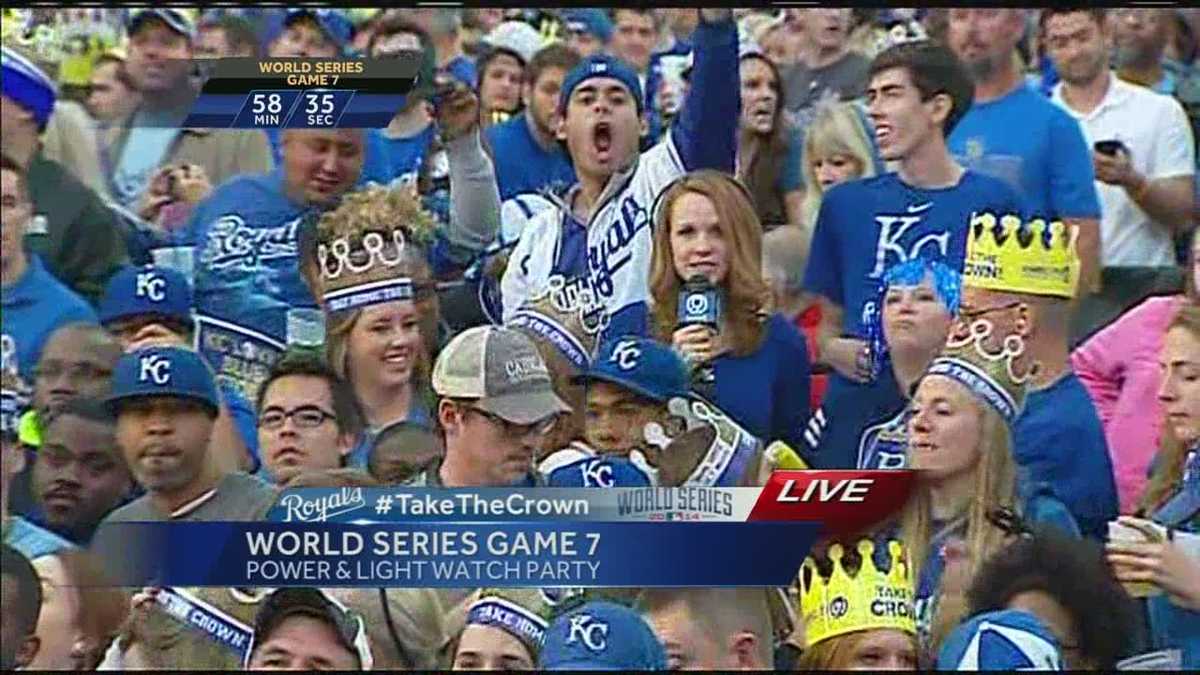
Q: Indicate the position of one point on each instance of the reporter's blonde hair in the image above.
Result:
(747, 296)
(836, 129)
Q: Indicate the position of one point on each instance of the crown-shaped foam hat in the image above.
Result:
(369, 247)
(996, 377)
(1009, 255)
(564, 321)
(523, 613)
(870, 599)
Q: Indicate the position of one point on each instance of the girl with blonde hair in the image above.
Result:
(837, 148)
(858, 611)
(706, 229)
(959, 442)
(382, 344)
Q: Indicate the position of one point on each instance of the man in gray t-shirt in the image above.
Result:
(829, 69)
(166, 404)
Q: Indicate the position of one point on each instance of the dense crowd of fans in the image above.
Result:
(957, 241)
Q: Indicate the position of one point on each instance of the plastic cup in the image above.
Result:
(182, 259)
(305, 327)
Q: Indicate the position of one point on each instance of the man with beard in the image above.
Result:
(79, 475)
(30, 540)
(1016, 135)
(1141, 36)
(165, 402)
(1145, 185)
(597, 243)
(527, 154)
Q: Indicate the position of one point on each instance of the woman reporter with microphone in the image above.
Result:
(712, 305)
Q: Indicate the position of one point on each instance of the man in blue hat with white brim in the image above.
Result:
(166, 404)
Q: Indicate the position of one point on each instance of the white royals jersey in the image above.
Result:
(613, 271)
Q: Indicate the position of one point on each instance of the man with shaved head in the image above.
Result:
(711, 628)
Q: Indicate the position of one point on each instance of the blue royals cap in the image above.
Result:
(589, 20)
(600, 65)
(601, 635)
(1004, 640)
(27, 85)
(149, 290)
(648, 368)
(163, 371)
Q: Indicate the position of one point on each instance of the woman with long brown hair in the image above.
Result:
(769, 149)
(1167, 557)
(706, 227)
(1119, 367)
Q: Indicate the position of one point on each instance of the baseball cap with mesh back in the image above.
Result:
(500, 368)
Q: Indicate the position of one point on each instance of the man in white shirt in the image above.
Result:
(1145, 181)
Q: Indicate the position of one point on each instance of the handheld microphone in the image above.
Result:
(700, 305)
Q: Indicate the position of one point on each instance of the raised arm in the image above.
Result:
(706, 133)
(474, 196)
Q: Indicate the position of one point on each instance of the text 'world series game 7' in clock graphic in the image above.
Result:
(302, 93)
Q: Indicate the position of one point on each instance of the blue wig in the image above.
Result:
(947, 284)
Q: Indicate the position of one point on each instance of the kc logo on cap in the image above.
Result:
(156, 369)
(591, 632)
(151, 285)
(626, 355)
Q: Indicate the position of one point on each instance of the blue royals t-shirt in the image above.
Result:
(863, 228)
(1034, 146)
(866, 226)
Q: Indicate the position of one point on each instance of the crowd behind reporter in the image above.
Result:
(863, 151)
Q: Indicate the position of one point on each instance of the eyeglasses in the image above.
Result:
(971, 314)
(304, 417)
(513, 430)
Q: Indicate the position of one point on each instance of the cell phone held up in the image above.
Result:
(1110, 147)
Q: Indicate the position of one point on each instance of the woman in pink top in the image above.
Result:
(1119, 367)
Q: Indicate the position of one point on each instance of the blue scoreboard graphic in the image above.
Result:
(302, 93)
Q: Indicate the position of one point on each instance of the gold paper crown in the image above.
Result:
(997, 377)
(1036, 258)
(567, 327)
(845, 603)
(370, 246)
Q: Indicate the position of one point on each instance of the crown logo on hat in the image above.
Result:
(369, 246)
(990, 375)
(565, 324)
(870, 599)
(1008, 255)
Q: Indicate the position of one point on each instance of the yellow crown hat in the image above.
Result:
(1008, 255)
(869, 600)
